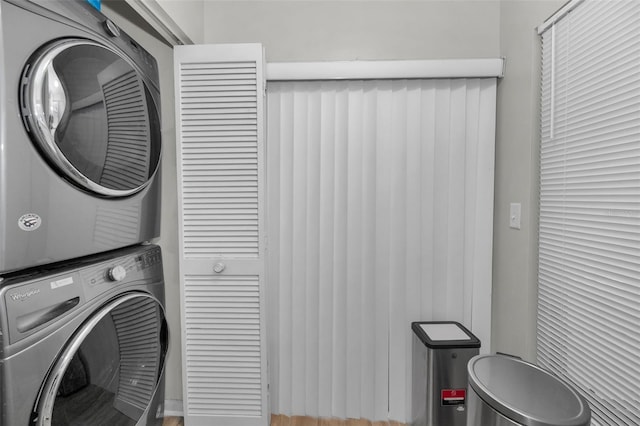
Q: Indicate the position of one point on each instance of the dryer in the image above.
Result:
(85, 343)
(79, 135)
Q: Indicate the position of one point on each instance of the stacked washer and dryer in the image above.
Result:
(83, 335)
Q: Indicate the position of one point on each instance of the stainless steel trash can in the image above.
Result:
(506, 391)
(441, 352)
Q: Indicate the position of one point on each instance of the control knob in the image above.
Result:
(117, 273)
(111, 28)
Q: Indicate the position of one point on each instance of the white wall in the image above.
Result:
(348, 30)
(188, 14)
(126, 19)
(515, 267)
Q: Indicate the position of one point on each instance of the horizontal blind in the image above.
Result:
(380, 201)
(589, 246)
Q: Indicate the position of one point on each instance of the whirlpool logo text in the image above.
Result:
(24, 295)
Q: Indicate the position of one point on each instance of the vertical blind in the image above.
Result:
(589, 249)
(380, 212)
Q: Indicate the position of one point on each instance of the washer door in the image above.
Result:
(92, 116)
(111, 369)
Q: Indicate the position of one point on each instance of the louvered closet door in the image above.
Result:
(219, 103)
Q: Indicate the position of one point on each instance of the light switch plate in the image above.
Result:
(515, 212)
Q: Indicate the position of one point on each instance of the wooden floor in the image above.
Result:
(173, 421)
(280, 420)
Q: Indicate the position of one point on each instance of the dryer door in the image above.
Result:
(92, 116)
(111, 372)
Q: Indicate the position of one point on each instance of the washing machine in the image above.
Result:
(80, 138)
(84, 343)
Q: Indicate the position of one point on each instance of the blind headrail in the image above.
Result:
(568, 7)
(378, 70)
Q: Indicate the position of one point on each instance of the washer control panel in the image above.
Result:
(149, 258)
(146, 262)
(31, 303)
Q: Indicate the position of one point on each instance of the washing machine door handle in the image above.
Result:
(53, 99)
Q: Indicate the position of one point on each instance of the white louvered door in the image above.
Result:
(219, 107)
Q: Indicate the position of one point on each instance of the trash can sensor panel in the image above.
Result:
(526, 393)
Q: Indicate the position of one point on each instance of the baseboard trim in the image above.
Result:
(173, 408)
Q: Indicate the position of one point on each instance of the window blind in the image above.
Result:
(589, 242)
(380, 212)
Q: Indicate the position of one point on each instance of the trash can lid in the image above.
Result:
(444, 335)
(525, 393)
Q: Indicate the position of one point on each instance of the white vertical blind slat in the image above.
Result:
(382, 217)
(313, 265)
(285, 251)
(299, 262)
(427, 197)
(471, 154)
(456, 199)
(482, 205)
(369, 334)
(371, 179)
(397, 251)
(441, 198)
(354, 250)
(339, 253)
(327, 152)
(413, 220)
(272, 262)
(589, 281)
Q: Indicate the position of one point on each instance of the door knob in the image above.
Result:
(218, 267)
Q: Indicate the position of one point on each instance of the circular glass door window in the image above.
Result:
(110, 371)
(92, 116)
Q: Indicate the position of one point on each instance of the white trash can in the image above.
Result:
(441, 352)
(506, 391)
